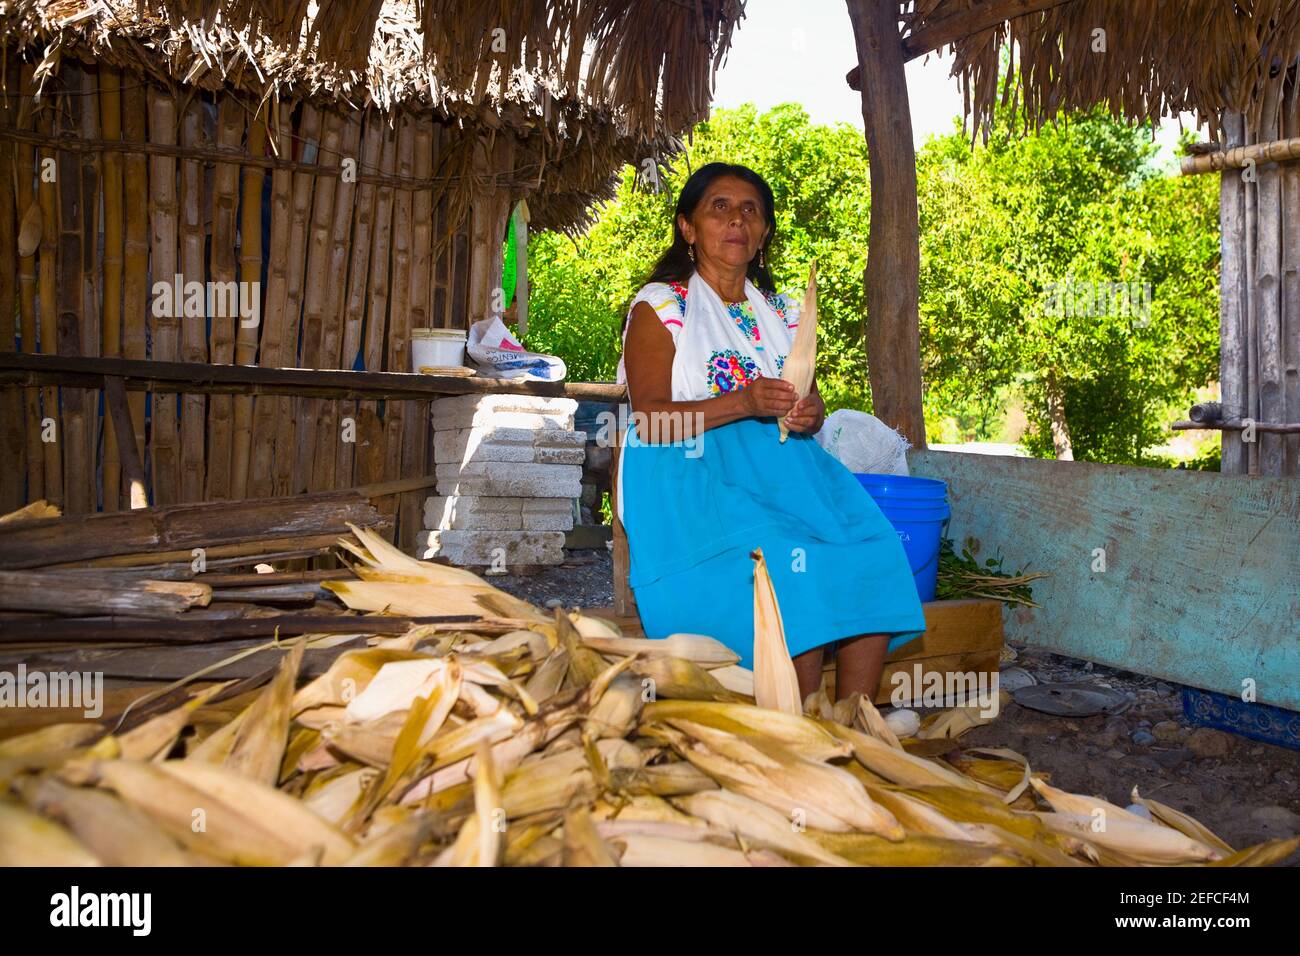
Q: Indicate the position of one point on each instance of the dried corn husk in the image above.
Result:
(801, 364)
(776, 684)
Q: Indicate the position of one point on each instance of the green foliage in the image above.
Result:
(1004, 226)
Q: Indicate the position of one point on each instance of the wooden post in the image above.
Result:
(894, 257)
(250, 275)
(115, 411)
(624, 600)
(12, 437)
(1268, 296)
(1232, 300)
(135, 247)
(78, 472)
(47, 165)
(1291, 281)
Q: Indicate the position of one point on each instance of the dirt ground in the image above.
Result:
(1244, 791)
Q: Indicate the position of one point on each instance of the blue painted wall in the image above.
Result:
(1202, 571)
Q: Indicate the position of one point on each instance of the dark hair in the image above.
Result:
(676, 265)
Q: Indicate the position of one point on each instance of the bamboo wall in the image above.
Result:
(1259, 215)
(346, 270)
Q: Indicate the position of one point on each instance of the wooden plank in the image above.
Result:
(179, 527)
(1290, 230)
(1268, 293)
(72, 595)
(624, 599)
(25, 170)
(1232, 302)
(119, 417)
(1201, 577)
(164, 327)
(893, 258)
(250, 275)
(194, 323)
(110, 115)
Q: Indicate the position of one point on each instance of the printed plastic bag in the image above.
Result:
(496, 353)
(863, 443)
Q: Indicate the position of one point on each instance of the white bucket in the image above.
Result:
(437, 348)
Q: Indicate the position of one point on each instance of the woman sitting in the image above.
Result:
(703, 478)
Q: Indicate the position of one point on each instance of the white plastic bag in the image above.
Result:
(496, 353)
(863, 443)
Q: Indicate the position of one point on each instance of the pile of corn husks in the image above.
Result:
(557, 743)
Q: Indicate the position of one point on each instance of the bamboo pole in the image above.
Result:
(12, 432)
(399, 325)
(265, 409)
(135, 250)
(370, 455)
(327, 422)
(1238, 157)
(110, 115)
(51, 420)
(78, 480)
(165, 324)
(308, 139)
(358, 268)
(250, 274)
(316, 298)
(440, 287)
(25, 170)
(194, 330)
(222, 272)
(416, 415)
(91, 279)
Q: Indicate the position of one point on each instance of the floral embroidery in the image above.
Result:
(679, 291)
(777, 302)
(743, 314)
(730, 370)
(780, 363)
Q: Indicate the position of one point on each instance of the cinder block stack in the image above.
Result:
(508, 469)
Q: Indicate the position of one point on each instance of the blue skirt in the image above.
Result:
(693, 515)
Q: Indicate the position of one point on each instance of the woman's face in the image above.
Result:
(728, 225)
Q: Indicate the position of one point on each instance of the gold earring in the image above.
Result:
(761, 263)
(690, 251)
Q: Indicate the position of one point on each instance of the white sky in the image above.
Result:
(799, 50)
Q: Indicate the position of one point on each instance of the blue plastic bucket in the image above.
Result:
(918, 510)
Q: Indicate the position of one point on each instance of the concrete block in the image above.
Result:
(503, 411)
(510, 479)
(510, 548)
(485, 443)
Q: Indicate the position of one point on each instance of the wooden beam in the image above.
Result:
(21, 368)
(939, 33)
(894, 256)
(1239, 157)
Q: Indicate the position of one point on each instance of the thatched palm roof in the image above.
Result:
(1160, 57)
(586, 84)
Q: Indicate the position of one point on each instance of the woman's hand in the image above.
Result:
(766, 398)
(807, 415)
